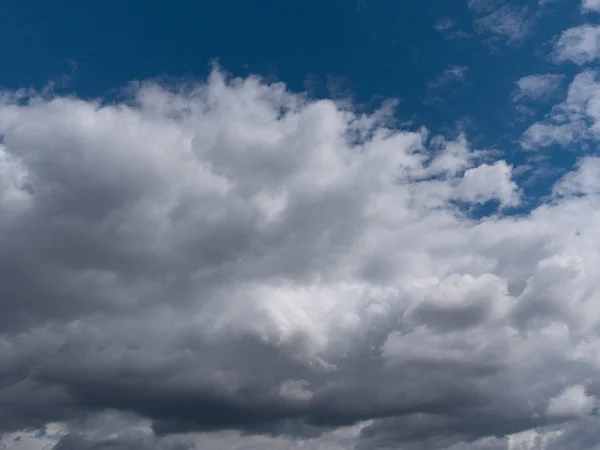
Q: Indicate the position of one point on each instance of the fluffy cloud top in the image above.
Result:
(230, 257)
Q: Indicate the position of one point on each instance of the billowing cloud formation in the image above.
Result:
(231, 257)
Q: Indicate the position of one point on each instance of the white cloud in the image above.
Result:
(543, 134)
(576, 119)
(457, 72)
(580, 44)
(453, 73)
(584, 181)
(444, 24)
(572, 402)
(590, 5)
(446, 83)
(538, 87)
(486, 182)
(502, 20)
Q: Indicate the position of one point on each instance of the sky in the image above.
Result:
(317, 225)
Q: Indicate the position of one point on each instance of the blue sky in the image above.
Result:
(452, 65)
(268, 225)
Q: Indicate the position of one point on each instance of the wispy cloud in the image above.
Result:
(450, 75)
(448, 28)
(444, 24)
(499, 21)
(537, 87)
(438, 88)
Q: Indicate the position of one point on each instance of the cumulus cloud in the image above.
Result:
(232, 265)
(485, 182)
(579, 44)
(575, 119)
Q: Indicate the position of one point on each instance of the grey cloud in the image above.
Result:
(580, 434)
(75, 442)
(231, 257)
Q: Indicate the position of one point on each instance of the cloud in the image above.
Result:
(576, 119)
(582, 181)
(538, 87)
(438, 88)
(572, 402)
(583, 433)
(452, 75)
(444, 24)
(485, 182)
(501, 21)
(447, 27)
(580, 45)
(230, 262)
(590, 5)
